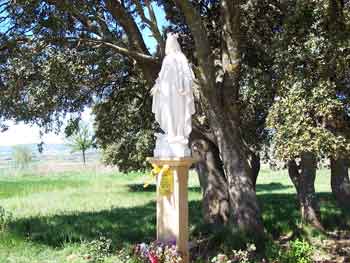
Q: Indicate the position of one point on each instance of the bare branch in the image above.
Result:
(98, 43)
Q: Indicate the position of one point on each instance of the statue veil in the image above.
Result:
(172, 45)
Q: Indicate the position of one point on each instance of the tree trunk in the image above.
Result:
(219, 88)
(304, 182)
(213, 183)
(84, 158)
(254, 160)
(244, 210)
(243, 202)
(340, 183)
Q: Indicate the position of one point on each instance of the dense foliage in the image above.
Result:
(53, 72)
(124, 124)
(311, 112)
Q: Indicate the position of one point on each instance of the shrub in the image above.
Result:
(299, 251)
(96, 250)
(5, 218)
(130, 152)
(155, 252)
(237, 256)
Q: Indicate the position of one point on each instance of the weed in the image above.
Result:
(96, 250)
(5, 218)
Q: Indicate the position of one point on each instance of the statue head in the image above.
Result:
(172, 45)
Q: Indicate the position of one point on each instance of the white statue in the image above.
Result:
(173, 103)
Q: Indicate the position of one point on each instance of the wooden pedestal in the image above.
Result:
(172, 210)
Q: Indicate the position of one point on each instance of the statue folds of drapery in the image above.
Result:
(173, 102)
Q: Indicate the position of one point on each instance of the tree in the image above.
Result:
(49, 36)
(303, 177)
(340, 183)
(22, 156)
(81, 140)
(311, 78)
(125, 127)
(338, 31)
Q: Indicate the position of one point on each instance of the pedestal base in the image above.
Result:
(172, 210)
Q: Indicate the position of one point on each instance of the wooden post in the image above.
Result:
(172, 210)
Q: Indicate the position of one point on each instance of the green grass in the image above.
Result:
(55, 215)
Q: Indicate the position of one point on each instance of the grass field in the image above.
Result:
(48, 218)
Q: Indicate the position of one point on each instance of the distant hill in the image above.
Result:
(59, 152)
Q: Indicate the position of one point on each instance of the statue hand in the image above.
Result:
(154, 90)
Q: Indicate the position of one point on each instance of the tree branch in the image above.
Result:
(152, 22)
(128, 24)
(205, 57)
(13, 43)
(121, 50)
(231, 56)
(122, 17)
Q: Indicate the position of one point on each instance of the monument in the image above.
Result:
(173, 107)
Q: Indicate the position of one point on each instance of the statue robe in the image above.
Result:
(173, 102)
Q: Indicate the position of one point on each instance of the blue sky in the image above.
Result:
(26, 134)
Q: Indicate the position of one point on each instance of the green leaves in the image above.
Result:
(81, 140)
(125, 124)
(310, 98)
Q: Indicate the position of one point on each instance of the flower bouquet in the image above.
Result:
(158, 252)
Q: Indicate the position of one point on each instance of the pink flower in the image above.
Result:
(153, 258)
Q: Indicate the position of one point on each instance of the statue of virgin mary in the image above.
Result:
(173, 102)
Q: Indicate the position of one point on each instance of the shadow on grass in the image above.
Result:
(122, 225)
(259, 188)
(281, 213)
(272, 187)
(152, 188)
(126, 226)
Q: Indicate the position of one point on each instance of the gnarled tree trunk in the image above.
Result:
(212, 179)
(244, 209)
(340, 183)
(227, 179)
(219, 94)
(303, 178)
